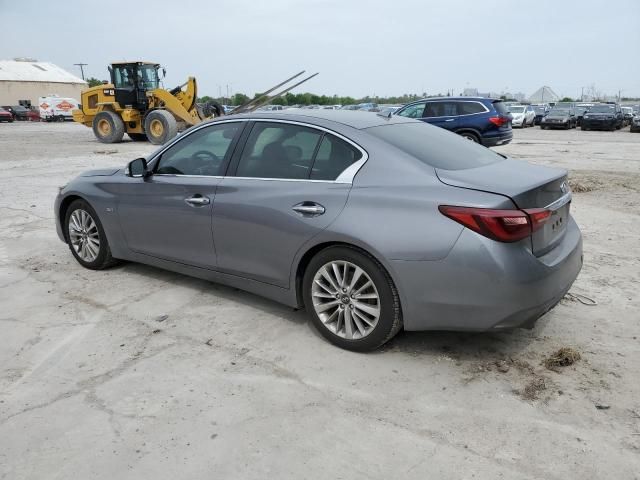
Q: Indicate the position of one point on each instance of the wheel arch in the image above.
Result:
(306, 257)
(62, 211)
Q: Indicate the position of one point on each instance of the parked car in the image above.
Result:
(5, 115)
(559, 117)
(627, 114)
(19, 112)
(523, 115)
(635, 124)
(368, 107)
(486, 242)
(541, 110)
(580, 110)
(603, 116)
(482, 120)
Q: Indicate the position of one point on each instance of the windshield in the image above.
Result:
(602, 109)
(513, 109)
(540, 109)
(559, 111)
(148, 75)
(435, 146)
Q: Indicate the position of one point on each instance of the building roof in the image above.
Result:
(33, 71)
(544, 95)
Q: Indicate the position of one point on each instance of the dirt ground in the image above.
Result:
(135, 372)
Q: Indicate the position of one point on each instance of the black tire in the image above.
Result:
(390, 317)
(583, 128)
(470, 136)
(103, 258)
(543, 127)
(160, 127)
(108, 127)
(138, 137)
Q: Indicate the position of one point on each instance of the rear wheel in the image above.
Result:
(351, 299)
(470, 136)
(86, 238)
(108, 127)
(160, 127)
(137, 137)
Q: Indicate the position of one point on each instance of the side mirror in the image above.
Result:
(138, 168)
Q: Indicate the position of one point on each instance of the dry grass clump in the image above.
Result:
(531, 390)
(578, 186)
(562, 358)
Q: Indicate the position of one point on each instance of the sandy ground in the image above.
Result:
(139, 373)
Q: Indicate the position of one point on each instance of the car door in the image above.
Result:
(443, 114)
(168, 214)
(289, 182)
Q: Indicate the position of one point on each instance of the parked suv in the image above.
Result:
(482, 120)
(605, 116)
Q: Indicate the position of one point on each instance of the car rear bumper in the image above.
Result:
(495, 139)
(484, 285)
(555, 124)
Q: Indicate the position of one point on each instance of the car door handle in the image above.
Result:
(197, 201)
(450, 120)
(309, 208)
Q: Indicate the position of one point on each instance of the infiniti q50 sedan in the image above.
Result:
(371, 224)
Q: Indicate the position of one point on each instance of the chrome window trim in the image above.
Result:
(561, 202)
(486, 110)
(346, 176)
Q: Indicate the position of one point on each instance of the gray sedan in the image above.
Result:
(372, 224)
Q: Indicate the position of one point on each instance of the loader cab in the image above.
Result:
(131, 82)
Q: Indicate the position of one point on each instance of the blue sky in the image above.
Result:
(359, 47)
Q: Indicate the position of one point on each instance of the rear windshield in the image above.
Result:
(435, 146)
(500, 107)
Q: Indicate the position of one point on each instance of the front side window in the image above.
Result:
(413, 111)
(204, 152)
(279, 150)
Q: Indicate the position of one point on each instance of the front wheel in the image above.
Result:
(86, 238)
(470, 136)
(351, 299)
(160, 126)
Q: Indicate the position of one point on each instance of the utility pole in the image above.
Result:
(81, 65)
(582, 95)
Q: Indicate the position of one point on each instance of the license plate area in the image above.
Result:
(551, 234)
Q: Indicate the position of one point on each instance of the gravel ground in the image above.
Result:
(138, 373)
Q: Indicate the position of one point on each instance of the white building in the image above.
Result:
(544, 95)
(28, 79)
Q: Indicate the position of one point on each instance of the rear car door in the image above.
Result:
(168, 214)
(288, 183)
(442, 114)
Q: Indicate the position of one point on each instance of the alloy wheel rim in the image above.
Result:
(84, 235)
(345, 299)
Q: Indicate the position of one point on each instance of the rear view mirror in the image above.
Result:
(138, 168)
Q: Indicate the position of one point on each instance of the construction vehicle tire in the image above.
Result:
(138, 137)
(108, 127)
(160, 126)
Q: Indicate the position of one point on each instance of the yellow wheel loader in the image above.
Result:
(135, 104)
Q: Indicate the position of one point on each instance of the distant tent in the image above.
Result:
(544, 95)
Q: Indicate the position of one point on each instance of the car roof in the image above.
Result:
(351, 118)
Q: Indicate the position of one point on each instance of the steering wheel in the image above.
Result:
(208, 162)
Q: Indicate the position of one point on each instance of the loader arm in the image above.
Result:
(180, 101)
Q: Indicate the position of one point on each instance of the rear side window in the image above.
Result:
(334, 157)
(279, 150)
(435, 146)
(469, 108)
(441, 109)
(500, 107)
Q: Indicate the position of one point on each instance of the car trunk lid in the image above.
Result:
(528, 186)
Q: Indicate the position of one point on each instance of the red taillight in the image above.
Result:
(500, 225)
(499, 121)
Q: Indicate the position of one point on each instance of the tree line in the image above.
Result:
(313, 99)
